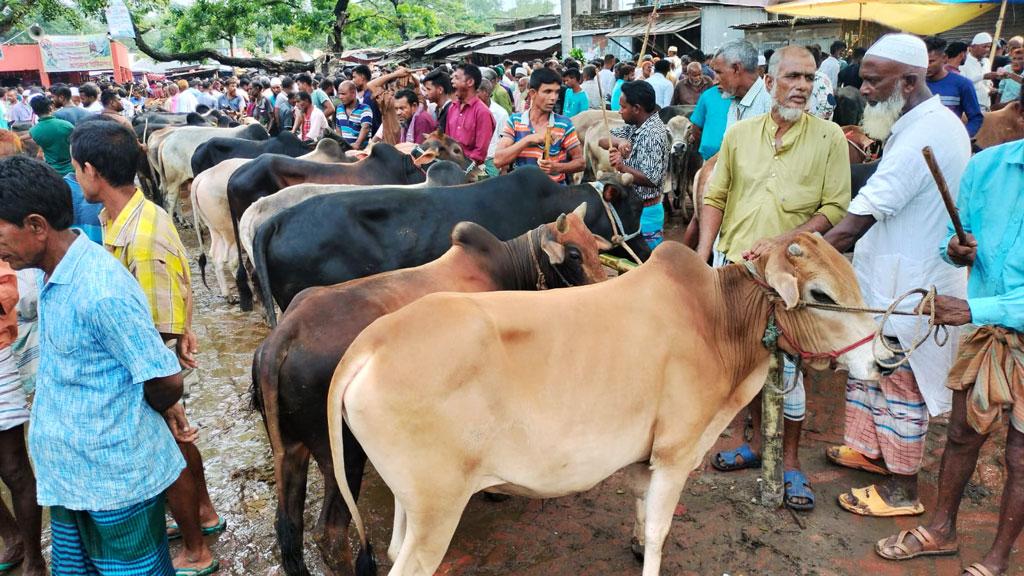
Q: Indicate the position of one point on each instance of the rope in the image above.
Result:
(619, 238)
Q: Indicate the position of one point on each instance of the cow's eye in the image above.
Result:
(822, 297)
(575, 254)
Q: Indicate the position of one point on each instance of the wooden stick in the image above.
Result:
(547, 143)
(647, 34)
(604, 113)
(772, 485)
(995, 40)
(947, 199)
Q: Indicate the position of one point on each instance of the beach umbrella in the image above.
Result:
(915, 16)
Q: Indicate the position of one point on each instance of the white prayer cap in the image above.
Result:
(903, 48)
(761, 60)
(672, 49)
(981, 38)
(521, 72)
(275, 81)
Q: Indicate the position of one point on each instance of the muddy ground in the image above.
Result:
(719, 528)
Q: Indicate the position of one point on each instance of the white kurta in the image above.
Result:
(975, 70)
(901, 251)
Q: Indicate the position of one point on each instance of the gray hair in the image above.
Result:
(777, 57)
(739, 52)
(486, 86)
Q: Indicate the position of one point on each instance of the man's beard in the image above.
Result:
(880, 117)
(786, 113)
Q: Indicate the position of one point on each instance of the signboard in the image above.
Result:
(119, 20)
(76, 53)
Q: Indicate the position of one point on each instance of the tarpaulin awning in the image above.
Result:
(914, 16)
(662, 26)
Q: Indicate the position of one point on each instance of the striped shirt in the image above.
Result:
(649, 154)
(143, 238)
(95, 442)
(351, 123)
(563, 139)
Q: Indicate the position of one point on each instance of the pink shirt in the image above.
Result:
(471, 125)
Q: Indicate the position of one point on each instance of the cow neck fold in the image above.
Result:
(745, 313)
(524, 264)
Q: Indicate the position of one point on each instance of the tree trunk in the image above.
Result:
(338, 29)
(403, 30)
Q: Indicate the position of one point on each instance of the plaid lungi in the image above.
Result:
(131, 541)
(888, 419)
(990, 368)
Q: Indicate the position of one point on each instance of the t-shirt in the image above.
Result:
(367, 99)
(711, 115)
(958, 94)
(1009, 89)
(87, 214)
(616, 94)
(563, 139)
(351, 123)
(575, 102)
(53, 135)
(285, 114)
(319, 97)
(71, 114)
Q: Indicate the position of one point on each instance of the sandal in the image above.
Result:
(850, 458)
(797, 486)
(730, 460)
(867, 502)
(928, 546)
(213, 567)
(979, 569)
(174, 533)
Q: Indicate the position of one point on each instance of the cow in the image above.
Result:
(292, 369)
(216, 150)
(339, 237)
(146, 123)
(1003, 125)
(269, 173)
(209, 198)
(683, 160)
(175, 155)
(507, 391)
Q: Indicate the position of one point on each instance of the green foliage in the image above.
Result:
(577, 54)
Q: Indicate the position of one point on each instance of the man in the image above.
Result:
(689, 88)
(662, 85)
(955, 91)
(735, 66)
(500, 119)
(499, 95)
(896, 221)
(104, 471)
(285, 106)
(592, 88)
(777, 175)
(369, 90)
(850, 76)
(310, 122)
(638, 149)
(354, 117)
(275, 89)
(525, 134)
(19, 110)
(831, 66)
(1009, 87)
(414, 119)
(90, 94)
(231, 100)
(140, 235)
(956, 53)
(437, 89)
(21, 532)
(576, 99)
(187, 101)
(607, 76)
(709, 120)
(991, 199)
(677, 64)
(87, 214)
(319, 97)
(976, 69)
(63, 108)
(469, 122)
(52, 135)
(113, 109)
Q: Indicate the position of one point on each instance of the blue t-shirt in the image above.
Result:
(712, 116)
(87, 214)
(349, 124)
(616, 93)
(575, 102)
(957, 93)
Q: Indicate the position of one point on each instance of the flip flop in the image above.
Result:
(867, 502)
(174, 533)
(797, 486)
(979, 569)
(928, 546)
(850, 458)
(213, 567)
(727, 460)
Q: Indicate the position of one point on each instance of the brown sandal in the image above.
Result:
(928, 547)
(978, 569)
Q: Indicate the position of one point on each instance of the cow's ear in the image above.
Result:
(602, 244)
(781, 275)
(427, 157)
(611, 192)
(554, 250)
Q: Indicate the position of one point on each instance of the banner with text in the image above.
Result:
(74, 53)
(119, 20)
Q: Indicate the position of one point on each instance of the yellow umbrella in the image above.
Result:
(914, 16)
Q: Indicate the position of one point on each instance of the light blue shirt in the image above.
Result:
(710, 116)
(95, 442)
(991, 204)
(663, 88)
(575, 102)
(87, 214)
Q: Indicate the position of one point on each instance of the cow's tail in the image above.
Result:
(194, 199)
(366, 565)
(260, 242)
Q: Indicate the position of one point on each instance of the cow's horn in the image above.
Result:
(795, 250)
(581, 211)
(561, 225)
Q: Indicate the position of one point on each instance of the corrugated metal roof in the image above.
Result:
(518, 47)
(663, 26)
(446, 43)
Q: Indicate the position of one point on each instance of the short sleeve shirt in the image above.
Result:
(710, 115)
(649, 154)
(53, 135)
(351, 123)
(563, 139)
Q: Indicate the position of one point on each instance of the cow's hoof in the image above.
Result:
(637, 548)
(232, 299)
(495, 497)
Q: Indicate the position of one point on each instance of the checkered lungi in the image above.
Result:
(13, 404)
(888, 419)
(131, 541)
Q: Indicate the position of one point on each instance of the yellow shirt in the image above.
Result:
(765, 192)
(144, 239)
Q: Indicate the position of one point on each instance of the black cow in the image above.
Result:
(339, 237)
(269, 173)
(216, 150)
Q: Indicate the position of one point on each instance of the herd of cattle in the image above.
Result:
(374, 259)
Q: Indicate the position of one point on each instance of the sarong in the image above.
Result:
(131, 541)
(13, 410)
(888, 419)
(990, 366)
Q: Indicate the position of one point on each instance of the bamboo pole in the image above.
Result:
(772, 485)
(995, 39)
(647, 33)
(947, 198)
(620, 265)
(604, 113)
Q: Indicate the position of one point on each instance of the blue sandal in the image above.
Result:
(174, 533)
(727, 460)
(797, 486)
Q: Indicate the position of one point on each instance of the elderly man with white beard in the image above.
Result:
(780, 173)
(896, 221)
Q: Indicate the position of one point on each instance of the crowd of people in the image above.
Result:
(113, 340)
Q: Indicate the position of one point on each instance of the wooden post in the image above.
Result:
(995, 40)
(772, 486)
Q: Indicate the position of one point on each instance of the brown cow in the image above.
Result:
(511, 392)
(292, 369)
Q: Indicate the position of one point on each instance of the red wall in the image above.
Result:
(27, 59)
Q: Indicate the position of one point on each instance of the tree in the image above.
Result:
(18, 13)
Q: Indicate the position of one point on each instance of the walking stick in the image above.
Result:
(947, 199)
